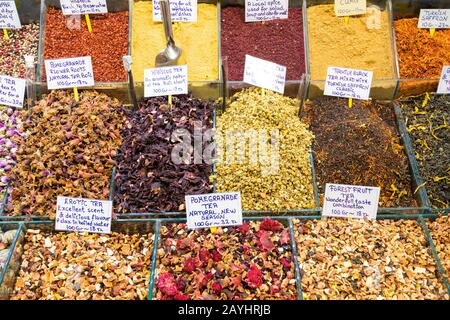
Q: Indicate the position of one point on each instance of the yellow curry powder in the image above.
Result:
(363, 43)
(199, 41)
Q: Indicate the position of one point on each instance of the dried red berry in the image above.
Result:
(189, 265)
(216, 256)
(264, 241)
(180, 296)
(204, 255)
(285, 237)
(167, 284)
(270, 225)
(244, 228)
(286, 263)
(254, 277)
(216, 287)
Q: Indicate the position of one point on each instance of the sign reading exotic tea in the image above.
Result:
(265, 10)
(348, 83)
(84, 215)
(213, 210)
(264, 74)
(165, 81)
(348, 201)
(350, 7)
(69, 73)
(444, 83)
(73, 7)
(12, 91)
(9, 18)
(434, 18)
(180, 10)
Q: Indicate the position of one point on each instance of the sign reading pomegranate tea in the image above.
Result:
(213, 210)
(69, 73)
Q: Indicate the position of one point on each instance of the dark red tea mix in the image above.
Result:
(147, 178)
(253, 261)
(360, 146)
(279, 41)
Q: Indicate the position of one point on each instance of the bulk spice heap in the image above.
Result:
(281, 178)
(107, 43)
(58, 266)
(279, 41)
(430, 133)
(360, 259)
(360, 44)
(70, 151)
(440, 233)
(253, 261)
(360, 146)
(148, 176)
(198, 40)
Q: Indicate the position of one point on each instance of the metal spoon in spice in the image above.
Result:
(171, 54)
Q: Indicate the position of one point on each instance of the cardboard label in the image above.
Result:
(434, 18)
(349, 201)
(69, 73)
(350, 7)
(12, 91)
(444, 83)
(265, 10)
(180, 10)
(9, 18)
(214, 210)
(84, 215)
(348, 83)
(166, 81)
(73, 7)
(264, 74)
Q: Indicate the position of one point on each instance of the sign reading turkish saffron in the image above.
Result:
(84, 215)
(348, 201)
(434, 18)
(350, 7)
(213, 210)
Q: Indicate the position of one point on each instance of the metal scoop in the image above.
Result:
(171, 54)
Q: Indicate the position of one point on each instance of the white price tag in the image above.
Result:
(166, 81)
(434, 18)
(12, 91)
(348, 83)
(214, 210)
(265, 10)
(444, 83)
(350, 7)
(347, 201)
(9, 18)
(264, 74)
(84, 215)
(69, 73)
(180, 10)
(73, 7)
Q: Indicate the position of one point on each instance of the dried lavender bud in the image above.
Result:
(360, 259)
(58, 266)
(430, 134)
(281, 176)
(147, 178)
(253, 261)
(360, 146)
(70, 151)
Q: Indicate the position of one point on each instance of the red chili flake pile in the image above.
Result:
(253, 261)
(107, 43)
(279, 41)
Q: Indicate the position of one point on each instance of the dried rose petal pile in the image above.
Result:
(58, 266)
(253, 261)
(360, 259)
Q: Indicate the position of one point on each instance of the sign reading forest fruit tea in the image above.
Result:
(444, 83)
(9, 18)
(348, 83)
(213, 210)
(73, 7)
(434, 18)
(165, 81)
(264, 74)
(84, 215)
(348, 201)
(69, 73)
(344, 8)
(180, 10)
(265, 10)
(12, 91)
